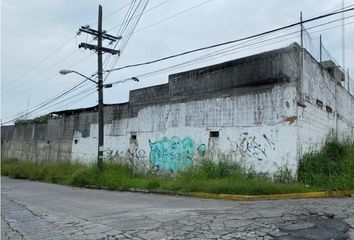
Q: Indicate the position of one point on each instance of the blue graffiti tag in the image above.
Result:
(202, 149)
(172, 154)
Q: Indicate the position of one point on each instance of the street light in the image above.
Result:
(66, 71)
(108, 85)
(100, 87)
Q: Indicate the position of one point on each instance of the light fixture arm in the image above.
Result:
(64, 72)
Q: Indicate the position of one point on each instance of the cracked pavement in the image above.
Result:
(33, 210)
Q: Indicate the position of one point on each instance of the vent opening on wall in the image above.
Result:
(133, 139)
(329, 109)
(319, 103)
(214, 134)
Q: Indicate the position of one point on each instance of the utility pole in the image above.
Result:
(301, 31)
(300, 84)
(320, 48)
(343, 42)
(100, 35)
(348, 78)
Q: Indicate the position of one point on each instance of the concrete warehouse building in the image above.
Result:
(263, 111)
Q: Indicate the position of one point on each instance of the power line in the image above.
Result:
(36, 108)
(74, 88)
(126, 20)
(336, 8)
(45, 103)
(40, 73)
(228, 42)
(46, 79)
(172, 16)
(78, 93)
(258, 35)
(127, 17)
(231, 50)
(131, 29)
(78, 100)
(162, 20)
(56, 50)
(89, 90)
(115, 11)
(156, 23)
(148, 10)
(120, 31)
(43, 60)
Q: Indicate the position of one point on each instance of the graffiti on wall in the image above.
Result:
(255, 148)
(202, 149)
(174, 154)
(135, 157)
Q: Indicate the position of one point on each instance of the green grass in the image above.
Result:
(332, 168)
(209, 177)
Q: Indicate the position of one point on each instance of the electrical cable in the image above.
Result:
(78, 100)
(228, 42)
(131, 30)
(230, 50)
(125, 19)
(234, 41)
(172, 16)
(148, 10)
(41, 61)
(163, 20)
(55, 51)
(46, 79)
(86, 90)
(45, 103)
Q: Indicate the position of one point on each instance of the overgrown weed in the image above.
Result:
(331, 168)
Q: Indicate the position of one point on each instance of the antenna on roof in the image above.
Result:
(343, 41)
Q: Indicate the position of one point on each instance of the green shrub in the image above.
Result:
(85, 176)
(38, 120)
(332, 167)
(284, 175)
(153, 184)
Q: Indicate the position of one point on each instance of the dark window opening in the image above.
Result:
(133, 137)
(319, 103)
(329, 109)
(48, 142)
(214, 134)
(76, 141)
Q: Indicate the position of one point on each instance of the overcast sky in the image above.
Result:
(31, 30)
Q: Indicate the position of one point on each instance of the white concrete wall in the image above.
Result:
(256, 129)
(259, 127)
(316, 124)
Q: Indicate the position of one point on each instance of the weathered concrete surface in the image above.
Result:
(264, 116)
(32, 210)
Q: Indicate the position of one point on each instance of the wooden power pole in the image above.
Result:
(100, 35)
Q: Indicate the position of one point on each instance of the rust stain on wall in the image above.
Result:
(290, 119)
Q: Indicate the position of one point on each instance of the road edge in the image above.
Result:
(286, 196)
(230, 197)
(235, 197)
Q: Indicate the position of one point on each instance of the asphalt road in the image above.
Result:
(33, 210)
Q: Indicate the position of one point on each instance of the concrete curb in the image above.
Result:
(232, 197)
(288, 196)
